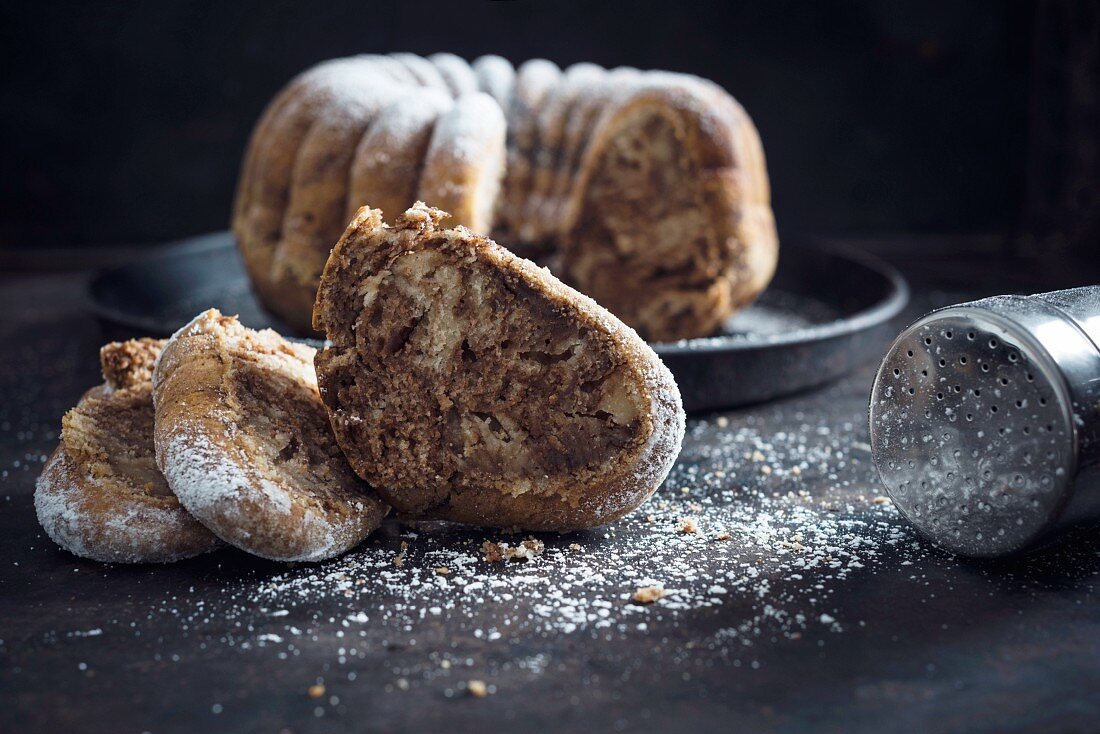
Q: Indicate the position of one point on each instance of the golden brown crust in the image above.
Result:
(244, 442)
(100, 494)
(553, 415)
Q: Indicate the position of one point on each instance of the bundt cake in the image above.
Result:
(551, 415)
(650, 186)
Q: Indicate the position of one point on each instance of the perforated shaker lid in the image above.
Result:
(972, 431)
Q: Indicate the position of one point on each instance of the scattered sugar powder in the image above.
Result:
(770, 555)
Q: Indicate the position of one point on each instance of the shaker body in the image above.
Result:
(985, 420)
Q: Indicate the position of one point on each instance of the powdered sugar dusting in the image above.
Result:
(764, 545)
(468, 131)
(456, 72)
(495, 76)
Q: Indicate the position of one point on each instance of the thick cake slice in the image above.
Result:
(470, 385)
(244, 442)
(100, 495)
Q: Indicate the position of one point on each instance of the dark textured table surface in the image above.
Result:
(802, 601)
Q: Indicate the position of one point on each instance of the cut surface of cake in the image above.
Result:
(467, 384)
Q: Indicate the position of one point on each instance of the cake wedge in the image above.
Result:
(470, 385)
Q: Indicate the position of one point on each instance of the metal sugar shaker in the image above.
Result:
(985, 420)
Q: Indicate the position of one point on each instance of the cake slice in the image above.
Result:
(244, 442)
(467, 384)
(100, 494)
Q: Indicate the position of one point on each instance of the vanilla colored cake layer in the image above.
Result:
(467, 384)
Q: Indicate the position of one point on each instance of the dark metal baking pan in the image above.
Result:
(826, 311)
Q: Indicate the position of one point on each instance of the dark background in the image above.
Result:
(124, 122)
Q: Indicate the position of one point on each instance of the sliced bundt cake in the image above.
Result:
(650, 185)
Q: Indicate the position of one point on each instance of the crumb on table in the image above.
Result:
(649, 594)
(399, 559)
(527, 550)
(492, 551)
(687, 525)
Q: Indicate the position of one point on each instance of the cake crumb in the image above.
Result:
(493, 552)
(317, 690)
(443, 571)
(477, 688)
(575, 547)
(528, 550)
(648, 594)
(724, 535)
(399, 559)
(687, 525)
(881, 500)
(525, 551)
